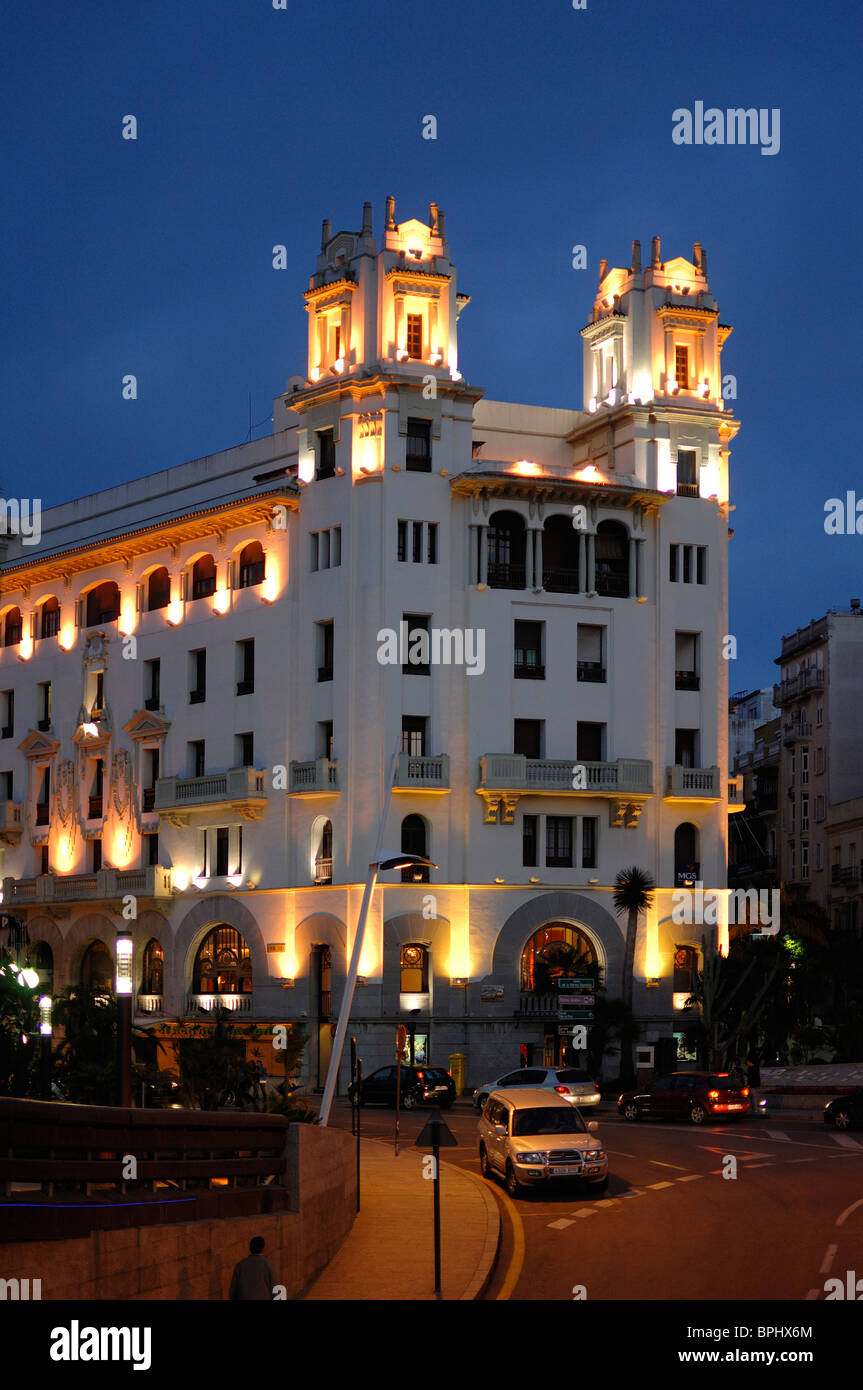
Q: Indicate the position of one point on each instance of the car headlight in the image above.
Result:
(530, 1158)
(592, 1155)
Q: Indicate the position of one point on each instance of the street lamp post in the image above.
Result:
(380, 863)
(46, 1029)
(123, 984)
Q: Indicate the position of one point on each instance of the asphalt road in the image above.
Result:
(671, 1225)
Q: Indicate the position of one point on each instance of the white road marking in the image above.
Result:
(559, 1225)
(691, 1177)
(848, 1210)
(587, 1211)
(618, 1153)
(655, 1186)
(828, 1259)
(779, 1135)
(631, 1194)
(660, 1164)
(846, 1141)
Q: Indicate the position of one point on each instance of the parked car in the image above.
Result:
(530, 1135)
(692, 1095)
(419, 1085)
(570, 1082)
(845, 1112)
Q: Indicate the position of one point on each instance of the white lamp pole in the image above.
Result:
(392, 862)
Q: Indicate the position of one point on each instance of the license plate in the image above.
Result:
(734, 1106)
(566, 1171)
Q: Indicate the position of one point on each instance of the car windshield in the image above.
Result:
(723, 1083)
(572, 1074)
(548, 1119)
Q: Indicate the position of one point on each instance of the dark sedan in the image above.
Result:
(845, 1112)
(693, 1095)
(419, 1085)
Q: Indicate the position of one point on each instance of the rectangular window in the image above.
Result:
(673, 562)
(686, 675)
(588, 841)
(7, 786)
(313, 537)
(528, 737)
(528, 663)
(687, 476)
(528, 841)
(418, 645)
(415, 335)
(151, 848)
(417, 555)
(325, 640)
(591, 665)
(402, 548)
(681, 366)
(325, 739)
(804, 813)
(819, 714)
(701, 564)
(687, 564)
(222, 837)
(325, 462)
(198, 676)
(43, 706)
(414, 730)
(245, 750)
(43, 804)
(558, 842)
(151, 776)
(324, 549)
(804, 766)
(804, 858)
(153, 684)
(96, 855)
(589, 742)
(7, 713)
(686, 747)
(418, 446)
(245, 666)
(195, 754)
(431, 552)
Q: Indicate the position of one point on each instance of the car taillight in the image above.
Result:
(420, 1075)
(596, 1085)
(745, 1091)
(713, 1095)
(564, 1090)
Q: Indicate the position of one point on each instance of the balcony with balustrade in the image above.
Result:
(418, 772)
(11, 822)
(735, 795)
(791, 687)
(321, 775)
(240, 789)
(693, 783)
(512, 772)
(153, 882)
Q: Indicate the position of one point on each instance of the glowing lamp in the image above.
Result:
(66, 637)
(179, 880)
(314, 373)
(339, 365)
(25, 648)
(91, 729)
(401, 355)
(235, 880)
(28, 977)
(527, 468)
(221, 602)
(123, 953)
(436, 359)
(45, 1026)
(200, 881)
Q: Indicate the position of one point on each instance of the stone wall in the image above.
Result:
(194, 1260)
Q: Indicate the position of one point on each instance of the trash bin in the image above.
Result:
(458, 1071)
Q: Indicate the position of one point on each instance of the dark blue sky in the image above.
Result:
(554, 128)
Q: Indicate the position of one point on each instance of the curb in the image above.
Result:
(488, 1260)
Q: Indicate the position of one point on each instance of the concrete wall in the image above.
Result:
(195, 1260)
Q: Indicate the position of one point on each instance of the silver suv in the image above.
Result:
(571, 1082)
(530, 1136)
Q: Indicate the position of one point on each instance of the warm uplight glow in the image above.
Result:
(128, 617)
(235, 880)
(590, 474)
(180, 880)
(92, 730)
(121, 851)
(401, 354)
(66, 637)
(62, 855)
(642, 387)
(339, 365)
(221, 600)
(25, 647)
(200, 881)
(314, 373)
(306, 465)
(527, 468)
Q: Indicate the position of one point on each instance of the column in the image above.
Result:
(528, 557)
(669, 364)
(399, 312)
(632, 591)
(538, 582)
(591, 562)
(582, 562)
(639, 569)
(473, 554)
(483, 553)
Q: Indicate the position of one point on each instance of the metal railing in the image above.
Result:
(419, 770)
(319, 775)
(694, 782)
(515, 772)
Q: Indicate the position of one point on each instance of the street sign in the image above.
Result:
(568, 1030)
(436, 1134)
(564, 984)
(584, 983)
(577, 1013)
(581, 1001)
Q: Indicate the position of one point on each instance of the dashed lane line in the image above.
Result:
(846, 1141)
(560, 1225)
(660, 1164)
(655, 1186)
(779, 1135)
(691, 1177)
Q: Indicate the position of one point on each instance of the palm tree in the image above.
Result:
(633, 894)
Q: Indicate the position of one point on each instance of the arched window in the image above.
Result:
(251, 565)
(557, 950)
(560, 544)
(97, 968)
(158, 589)
(153, 971)
(322, 850)
(103, 604)
(415, 841)
(223, 964)
(414, 968)
(506, 551)
(612, 560)
(13, 628)
(685, 969)
(687, 869)
(203, 577)
(49, 617)
(40, 957)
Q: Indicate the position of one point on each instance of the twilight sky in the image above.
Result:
(154, 256)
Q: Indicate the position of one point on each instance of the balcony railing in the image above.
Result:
(735, 794)
(320, 775)
(538, 1004)
(514, 772)
(150, 1003)
(324, 869)
(686, 680)
(558, 581)
(845, 873)
(611, 583)
(692, 783)
(792, 686)
(206, 1003)
(11, 823)
(151, 882)
(415, 770)
(592, 671)
(687, 490)
(528, 671)
(505, 576)
(237, 784)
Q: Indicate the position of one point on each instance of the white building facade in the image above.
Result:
(205, 674)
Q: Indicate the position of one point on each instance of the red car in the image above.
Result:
(693, 1095)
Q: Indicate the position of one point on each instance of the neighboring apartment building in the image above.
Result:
(747, 710)
(200, 699)
(754, 836)
(822, 777)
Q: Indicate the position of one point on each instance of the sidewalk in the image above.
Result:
(389, 1253)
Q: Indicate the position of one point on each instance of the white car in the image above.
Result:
(570, 1082)
(531, 1135)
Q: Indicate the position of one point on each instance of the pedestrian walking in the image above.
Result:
(253, 1278)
